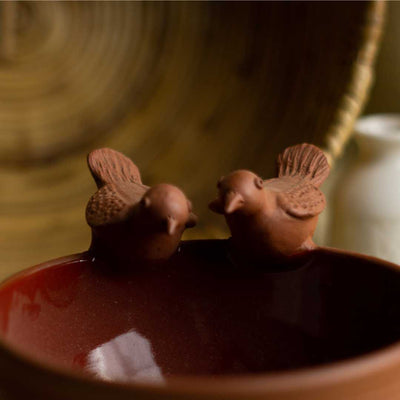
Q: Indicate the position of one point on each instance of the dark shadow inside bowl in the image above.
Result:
(201, 314)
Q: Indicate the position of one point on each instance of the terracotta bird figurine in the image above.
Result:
(275, 217)
(129, 220)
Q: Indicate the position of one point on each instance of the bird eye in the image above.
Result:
(259, 182)
(145, 202)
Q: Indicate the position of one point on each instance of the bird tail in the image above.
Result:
(304, 160)
(110, 166)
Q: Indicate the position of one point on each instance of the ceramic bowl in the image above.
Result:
(203, 327)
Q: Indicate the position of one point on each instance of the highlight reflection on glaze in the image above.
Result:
(128, 357)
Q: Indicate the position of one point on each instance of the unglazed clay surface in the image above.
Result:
(275, 217)
(131, 221)
(200, 314)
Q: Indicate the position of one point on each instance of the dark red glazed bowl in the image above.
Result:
(201, 326)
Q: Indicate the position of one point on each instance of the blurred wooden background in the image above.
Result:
(189, 90)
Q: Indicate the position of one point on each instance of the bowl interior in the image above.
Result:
(201, 314)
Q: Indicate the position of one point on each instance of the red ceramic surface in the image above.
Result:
(202, 327)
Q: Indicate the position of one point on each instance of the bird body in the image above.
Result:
(275, 217)
(129, 220)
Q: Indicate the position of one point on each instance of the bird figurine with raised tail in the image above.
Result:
(131, 221)
(276, 217)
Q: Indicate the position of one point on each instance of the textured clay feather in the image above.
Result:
(301, 170)
(120, 187)
(305, 201)
(110, 166)
(304, 161)
(112, 203)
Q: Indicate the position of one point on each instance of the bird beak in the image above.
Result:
(172, 224)
(233, 201)
(216, 206)
(192, 221)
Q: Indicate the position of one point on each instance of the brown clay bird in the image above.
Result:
(275, 217)
(129, 220)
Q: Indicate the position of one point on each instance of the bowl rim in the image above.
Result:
(306, 378)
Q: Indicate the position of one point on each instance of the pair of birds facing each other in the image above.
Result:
(267, 218)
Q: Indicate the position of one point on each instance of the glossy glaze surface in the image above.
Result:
(201, 314)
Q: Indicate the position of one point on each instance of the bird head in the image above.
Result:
(168, 206)
(240, 190)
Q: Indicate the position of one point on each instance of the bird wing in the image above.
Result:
(302, 201)
(304, 161)
(109, 166)
(112, 203)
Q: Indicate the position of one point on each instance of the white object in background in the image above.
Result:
(366, 202)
